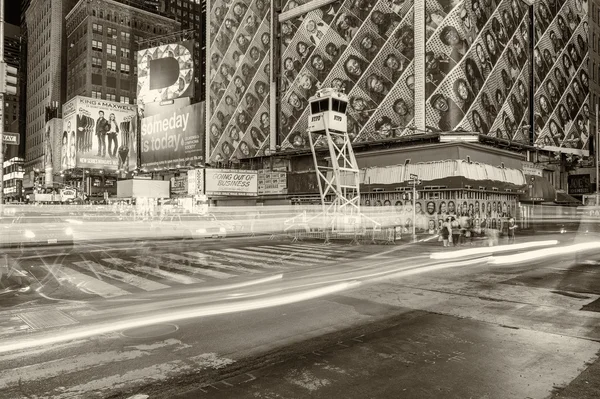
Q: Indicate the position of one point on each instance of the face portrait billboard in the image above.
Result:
(165, 72)
(173, 138)
(238, 82)
(476, 67)
(99, 134)
(561, 77)
(360, 47)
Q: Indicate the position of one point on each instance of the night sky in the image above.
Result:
(12, 11)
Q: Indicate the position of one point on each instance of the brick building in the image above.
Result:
(102, 37)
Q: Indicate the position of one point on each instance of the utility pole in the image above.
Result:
(414, 180)
(3, 85)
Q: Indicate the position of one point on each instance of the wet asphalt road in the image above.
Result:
(472, 330)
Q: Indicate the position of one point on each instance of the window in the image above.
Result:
(96, 94)
(111, 49)
(96, 62)
(111, 66)
(125, 68)
(125, 53)
(96, 45)
(97, 28)
(111, 32)
(124, 100)
(125, 36)
(111, 97)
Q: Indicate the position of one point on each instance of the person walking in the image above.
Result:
(455, 226)
(511, 230)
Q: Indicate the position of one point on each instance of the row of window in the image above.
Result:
(110, 97)
(111, 65)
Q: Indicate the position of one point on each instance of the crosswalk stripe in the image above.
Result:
(154, 271)
(319, 248)
(310, 253)
(322, 248)
(205, 260)
(90, 284)
(244, 259)
(287, 256)
(128, 278)
(262, 256)
(193, 270)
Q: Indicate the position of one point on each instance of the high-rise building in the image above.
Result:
(45, 71)
(102, 37)
(192, 15)
(12, 55)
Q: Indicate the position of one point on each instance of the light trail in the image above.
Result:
(114, 326)
(489, 250)
(543, 253)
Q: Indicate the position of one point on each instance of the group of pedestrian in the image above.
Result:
(457, 231)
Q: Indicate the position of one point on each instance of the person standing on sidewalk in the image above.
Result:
(455, 232)
(446, 232)
(511, 230)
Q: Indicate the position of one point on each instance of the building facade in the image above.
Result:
(192, 15)
(12, 57)
(103, 37)
(45, 71)
(410, 68)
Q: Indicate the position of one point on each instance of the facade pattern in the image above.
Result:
(240, 43)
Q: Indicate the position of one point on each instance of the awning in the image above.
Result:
(538, 189)
(563, 198)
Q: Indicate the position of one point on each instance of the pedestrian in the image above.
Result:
(455, 232)
(445, 233)
(511, 230)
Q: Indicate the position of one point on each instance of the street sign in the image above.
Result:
(11, 138)
(415, 182)
(414, 177)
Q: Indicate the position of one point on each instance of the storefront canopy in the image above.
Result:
(449, 174)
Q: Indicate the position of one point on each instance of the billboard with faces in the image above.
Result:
(560, 75)
(98, 134)
(476, 67)
(165, 72)
(430, 214)
(363, 47)
(238, 121)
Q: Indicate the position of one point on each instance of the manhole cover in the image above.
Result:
(47, 319)
(152, 331)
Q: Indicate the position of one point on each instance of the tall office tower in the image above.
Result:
(22, 122)
(45, 71)
(102, 37)
(192, 15)
(12, 49)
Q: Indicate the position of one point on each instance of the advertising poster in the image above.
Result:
(195, 182)
(68, 145)
(272, 182)
(580, 184)
(477, 69)
(52, 149)
(98, 134)
(363, 48)
(238, 86)
(562, 109)
(165, 72)
(173, 138)
(231, 182)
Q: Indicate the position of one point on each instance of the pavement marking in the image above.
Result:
(90, 284)
(193, 270)
(128, 278)
(309, 253)
(262, 256)
(208, 261)
(54, 368)
(244, 259)
(320, 247)
(155, 271)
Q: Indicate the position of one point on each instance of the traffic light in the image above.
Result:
(8, 79)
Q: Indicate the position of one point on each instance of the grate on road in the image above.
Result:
(46, 319)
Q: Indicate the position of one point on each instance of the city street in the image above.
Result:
(253, 317)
